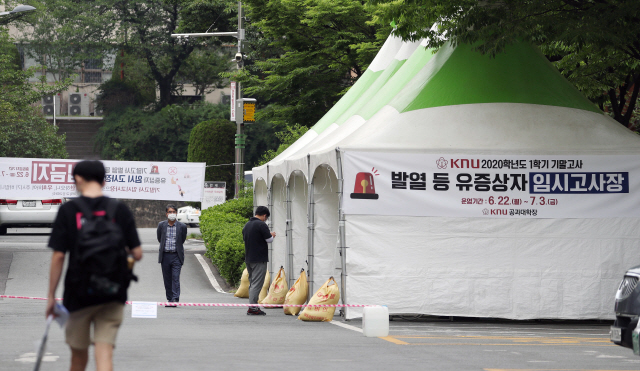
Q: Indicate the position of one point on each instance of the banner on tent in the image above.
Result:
(141, 180)
(491, 186)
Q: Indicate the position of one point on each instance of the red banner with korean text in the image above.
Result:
(28, 178)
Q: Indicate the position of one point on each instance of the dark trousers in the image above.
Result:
(171, 267)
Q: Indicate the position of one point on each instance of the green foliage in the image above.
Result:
(203, 69)
(287, 137)
(213, 142)
(66, 33)
(221, 228)
(593, 43)
(304, 54)
(30, 135)
(23, 131)
(138, 135)
(63, 34)
(117, 95)
(261, 137)
(229, 255)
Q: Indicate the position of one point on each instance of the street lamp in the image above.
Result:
(17, 12)
(238, 104)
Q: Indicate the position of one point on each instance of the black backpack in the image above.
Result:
(100, 255)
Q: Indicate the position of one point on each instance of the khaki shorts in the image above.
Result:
(106, 319)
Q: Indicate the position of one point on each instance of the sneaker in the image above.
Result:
(170, 305)
(255, 312)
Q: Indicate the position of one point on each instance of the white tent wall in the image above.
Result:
(260, 190)
(278, 220)
(516, 268)
(326, 259)
(299, 230)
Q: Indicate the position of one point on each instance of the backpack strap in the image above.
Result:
(112, 205)
(84, 208)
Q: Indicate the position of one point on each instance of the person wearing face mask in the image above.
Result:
(171, 235)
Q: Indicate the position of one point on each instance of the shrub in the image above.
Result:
(212, 142)
(221, 228)
(229, 255)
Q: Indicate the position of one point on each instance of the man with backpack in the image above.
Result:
(98, 233)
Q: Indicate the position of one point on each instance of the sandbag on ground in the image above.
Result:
(297, 294)
(327, 294)
(277, 290)
(265, 287)
(243, 290)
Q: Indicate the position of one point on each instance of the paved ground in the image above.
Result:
(221, 338)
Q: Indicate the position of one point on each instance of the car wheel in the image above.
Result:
(3, 230)
(194, 225)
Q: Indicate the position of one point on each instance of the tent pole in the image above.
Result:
(310, 231)
(342, 232)
(270, 224)
(289, 234)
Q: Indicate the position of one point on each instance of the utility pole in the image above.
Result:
(240, 137)
(238, 104)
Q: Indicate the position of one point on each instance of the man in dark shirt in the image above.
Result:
(256, 235)
(105, 313)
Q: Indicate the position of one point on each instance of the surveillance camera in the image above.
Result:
(238, 57)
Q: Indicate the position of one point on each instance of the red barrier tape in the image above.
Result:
(221, 304)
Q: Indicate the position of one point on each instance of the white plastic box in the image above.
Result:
(375, 321)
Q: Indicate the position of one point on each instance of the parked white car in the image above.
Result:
(189, 215)
(27, 212)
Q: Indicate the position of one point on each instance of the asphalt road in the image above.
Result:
(206, 338)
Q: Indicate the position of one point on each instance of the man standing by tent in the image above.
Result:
(256, 235)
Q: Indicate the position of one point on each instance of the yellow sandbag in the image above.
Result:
(277, 290)
(297, 294)
(265, 287)
(329, 293)
(243, 290)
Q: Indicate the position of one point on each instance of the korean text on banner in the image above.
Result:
(22, 178)
(214, 193)
(489, 186)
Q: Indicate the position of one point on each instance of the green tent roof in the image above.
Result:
(459, 75)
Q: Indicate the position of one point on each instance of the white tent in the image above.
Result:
(414, 249)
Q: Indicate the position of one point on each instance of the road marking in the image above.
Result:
(513, 341)
(394, 340)
(545, 369)
(348, 327)
(32, 357)
(209, 274)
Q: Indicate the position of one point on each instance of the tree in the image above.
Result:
(203, 69)
(304, 54)
(138, 135)
(146, 28)
(213, 142)
(67, 33)
(23, 131)
(63, 34)
(287, 137)
(593, 42)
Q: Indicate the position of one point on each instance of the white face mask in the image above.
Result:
(172, 217)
